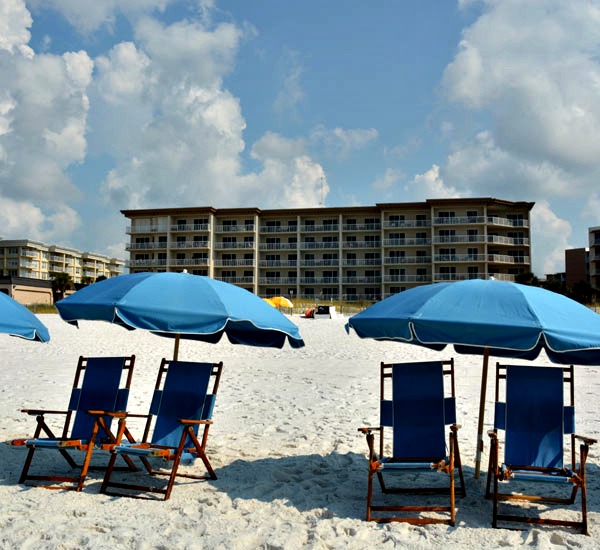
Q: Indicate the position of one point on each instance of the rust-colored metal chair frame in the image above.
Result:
(575, 476)
(172, 454)
(65, 443)
(454, 463)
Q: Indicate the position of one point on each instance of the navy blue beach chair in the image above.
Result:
(536, 424)
(417, 415)
(101, 387)
(182, 403)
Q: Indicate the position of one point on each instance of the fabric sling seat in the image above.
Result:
(417, 414)
(98, 392)
(535, 421)
(182, 403)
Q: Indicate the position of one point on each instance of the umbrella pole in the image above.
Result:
(484, 377)
(176, 350)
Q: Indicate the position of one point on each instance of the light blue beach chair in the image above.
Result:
(535, 421)
(181, 404)
(417, 413)
(100, 388)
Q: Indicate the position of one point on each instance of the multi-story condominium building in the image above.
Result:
(594, 256)
(355, 253)
(36, 260)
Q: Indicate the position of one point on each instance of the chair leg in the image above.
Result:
(108, 473)
(452, 484)
(369, 493)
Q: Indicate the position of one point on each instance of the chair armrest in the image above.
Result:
(194, 422)
(36, 412)
(586, 440)
(455, 427)
(112, 414)
(493, 434)
(369, 429)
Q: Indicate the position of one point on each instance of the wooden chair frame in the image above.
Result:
(172, 454)
(576, 476)
(65, 443)
(375, 467)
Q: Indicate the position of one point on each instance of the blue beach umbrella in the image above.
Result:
(486, 317)
(17, 320)
(182, 305)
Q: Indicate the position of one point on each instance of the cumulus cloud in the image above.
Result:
(430, 184)
(532, 72)
(291, 93)
(550, 237)
(43, 112)
(340, 142)
(388, 181)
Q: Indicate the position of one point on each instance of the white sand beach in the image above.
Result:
(291, 465)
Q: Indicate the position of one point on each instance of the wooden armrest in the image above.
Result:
(193, 422)
(369, 429)
(493, 434)
(455, 427)
(112, 414)
(36, 412)
(586, 440)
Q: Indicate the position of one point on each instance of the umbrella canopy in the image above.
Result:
(182, 305)
(17, 320)
(279, 301)
(486, 317)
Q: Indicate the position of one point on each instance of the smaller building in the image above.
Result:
(594, 258)
(576, 266)
(27, 268)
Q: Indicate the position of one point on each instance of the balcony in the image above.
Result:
(493, 220)
(188, 261)
(361, 280)
(234, 245)
(464, 276)
(392, 224)
(190, 244)
(451, 258)
(506, 259)
(407, 279)
(133, 230)
(362, 227)
(407, 242)
(495, 239)
(146, 263)
(233, 263)
(361, 244)
(460, 220)
(243, 228)
(278, 246)
(190, 227)
(319, 280)
(397, 260)
(277, 281)
(146, 246)
(328, 228)
(278, 263)
(236, 280)
(318, 263)
(333, 245)
(278, 228)
(362, 262)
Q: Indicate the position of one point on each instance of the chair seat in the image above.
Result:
(557, 476)
(57, 443)
(391, 463)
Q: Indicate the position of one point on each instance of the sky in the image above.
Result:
(124, 104)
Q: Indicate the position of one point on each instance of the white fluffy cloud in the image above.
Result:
(430, 184)
(43, 111)
(531, 69)
(340, 142)
(550, 237)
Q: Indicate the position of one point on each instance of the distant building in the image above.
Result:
(345, 253)
(594, 258)
(26, 267)
(576, 266)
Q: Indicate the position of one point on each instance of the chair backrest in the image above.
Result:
(184, 395)
(418, 411)
(100, 390)
(533, 415)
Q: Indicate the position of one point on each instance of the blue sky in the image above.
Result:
(158, 103)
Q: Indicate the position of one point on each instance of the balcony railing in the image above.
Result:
(332, 245)
(316, 263)
(395, 260)
(278, 228)
(146, 263)
(188, 261)
(407, 279)
(131, 230)
(362, 227)
(390, 224)
(243, 228)
(277, 281)
(361, 262)
(460, 220)
(319, 228)
(190, 227)
(496, 239)
(232, 263)
(235, 280)
(225, 246)
(407, 242)
(361, 280)
(190, 244)
(319, 280)
(146, 246)
(362, 244)
(493, 220)
(278, 263)
(464, 276)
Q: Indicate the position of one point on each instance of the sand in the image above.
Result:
(291, 465)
